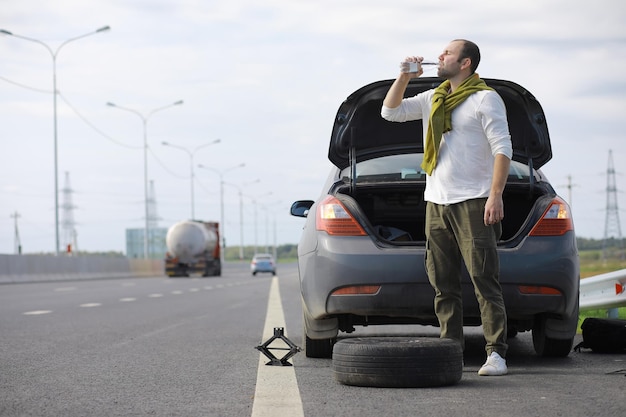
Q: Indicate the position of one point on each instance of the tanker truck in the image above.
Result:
(193, 248)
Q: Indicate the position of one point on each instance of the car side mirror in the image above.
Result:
(301, 208)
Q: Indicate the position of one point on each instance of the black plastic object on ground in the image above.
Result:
(603, 335)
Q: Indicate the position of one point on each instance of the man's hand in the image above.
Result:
(494, 210)
(404, 66)
(396, 92)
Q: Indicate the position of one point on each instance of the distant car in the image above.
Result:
(361, 253)
(263, 262)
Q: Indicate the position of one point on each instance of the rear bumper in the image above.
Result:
(405, 291)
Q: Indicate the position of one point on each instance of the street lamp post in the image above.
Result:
(256, 223)
(221, 227)
(144, 119)
(191, 154)
(267, 207)
(54, 54)
(241, 212)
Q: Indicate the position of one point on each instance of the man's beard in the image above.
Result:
(444, 73)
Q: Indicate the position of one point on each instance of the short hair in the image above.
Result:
(470, 50)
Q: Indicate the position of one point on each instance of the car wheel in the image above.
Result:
(318, 348)
(318, 336)
(547, 346)
(397, 362)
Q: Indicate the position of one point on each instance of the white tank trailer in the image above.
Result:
(193, 248)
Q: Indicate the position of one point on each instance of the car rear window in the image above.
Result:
(406, 167)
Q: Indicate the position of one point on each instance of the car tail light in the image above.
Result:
(358, 290)
(555, 221)
(335, 219)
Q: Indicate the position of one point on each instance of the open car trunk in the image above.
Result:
(397, 212)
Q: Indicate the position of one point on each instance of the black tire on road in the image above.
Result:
(397, 362)
(549, 347)
(322, 348)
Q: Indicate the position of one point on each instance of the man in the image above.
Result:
(467, 153)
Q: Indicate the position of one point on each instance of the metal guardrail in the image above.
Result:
(603, 291)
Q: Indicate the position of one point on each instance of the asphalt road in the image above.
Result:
(185, 347)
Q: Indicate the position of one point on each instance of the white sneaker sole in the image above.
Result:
(492, 372)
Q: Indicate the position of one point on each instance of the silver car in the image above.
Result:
(361, 254)
(263, 262)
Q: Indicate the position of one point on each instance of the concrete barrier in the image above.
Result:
(37, 268)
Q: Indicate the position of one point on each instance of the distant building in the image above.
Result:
(156, 243)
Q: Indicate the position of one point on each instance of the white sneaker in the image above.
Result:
(495, 365)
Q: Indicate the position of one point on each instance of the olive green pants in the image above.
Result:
(456, 233)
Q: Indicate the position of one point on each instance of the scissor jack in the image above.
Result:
(279, 333)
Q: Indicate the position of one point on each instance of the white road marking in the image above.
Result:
(194, 290)
(277, 392)
(37, 312)
(177, 292)
(89, 305)
(208, 287)
(127, 299)
(155, 295)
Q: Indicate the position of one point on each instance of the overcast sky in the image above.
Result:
(266, 78)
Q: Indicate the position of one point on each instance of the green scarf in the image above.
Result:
(440, 120)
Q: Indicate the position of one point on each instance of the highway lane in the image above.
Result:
(144, 346)
(185, 347)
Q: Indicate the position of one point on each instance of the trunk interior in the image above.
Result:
(397, 213)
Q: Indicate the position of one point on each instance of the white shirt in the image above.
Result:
(466, 154)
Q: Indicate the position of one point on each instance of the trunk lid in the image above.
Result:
(359, 132)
